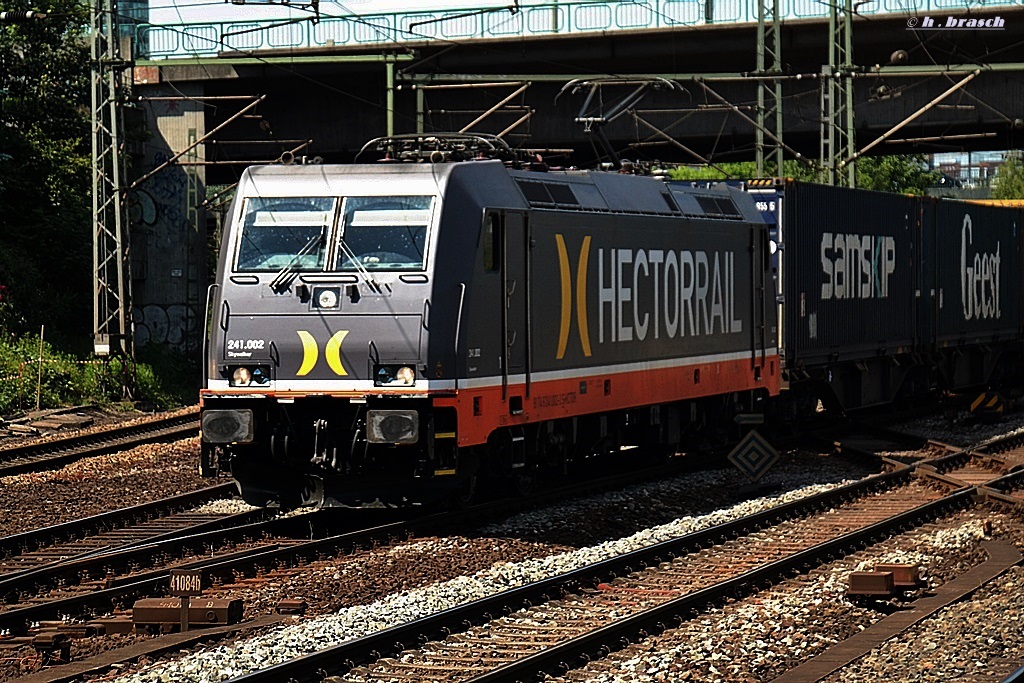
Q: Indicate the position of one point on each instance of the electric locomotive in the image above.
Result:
(394, 331)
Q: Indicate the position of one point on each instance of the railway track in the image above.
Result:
(106, 530)
(889, 445)
(61, 451)
(97, 582)
(583, 615)
(281, 555)
(640, 590)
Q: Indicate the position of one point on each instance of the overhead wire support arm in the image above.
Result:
(286, 157)
(521, 120)
(198, 142)
(769, 134)
(240, 32)
(512, 9)
(668, 138)
(594, 123)
(518, 91)
(892, 131)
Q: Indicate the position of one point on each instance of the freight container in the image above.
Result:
(883, 296)
(977, 286)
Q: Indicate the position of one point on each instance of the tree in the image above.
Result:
(45, 202)
(1009, 182)
(904, 174)
(739, 170)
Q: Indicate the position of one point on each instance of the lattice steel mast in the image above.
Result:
(112, 278)
(769, 92)
(837, 136)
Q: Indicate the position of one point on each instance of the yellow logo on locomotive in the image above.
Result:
(311, 353)
(581, 296)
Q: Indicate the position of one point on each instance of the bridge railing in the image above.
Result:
(165, 41)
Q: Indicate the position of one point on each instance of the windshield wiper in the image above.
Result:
(285, 276)
(370, 281)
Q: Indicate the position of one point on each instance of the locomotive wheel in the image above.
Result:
(546, 453)
(466, 494)
(666, 452)
(279, 446)
(524, 483)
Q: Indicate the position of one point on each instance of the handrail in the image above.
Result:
(207, 331)
(458, 329)
(198, 39)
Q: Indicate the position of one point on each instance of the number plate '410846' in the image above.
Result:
(186, 582)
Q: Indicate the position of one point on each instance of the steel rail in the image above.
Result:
(37, 538)
(58, 452)
(577, 651)
(17, 621)
(1015, 677)
(1007, 482)
(142, 583)
(1000, 444)
(67, 570)
(896, 436)
(323, 525)
(392, 641)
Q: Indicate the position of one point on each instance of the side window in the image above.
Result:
(492, 243)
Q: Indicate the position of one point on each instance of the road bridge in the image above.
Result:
(343, 80)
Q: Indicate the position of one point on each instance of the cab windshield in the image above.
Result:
(384, 233)
(285, 233)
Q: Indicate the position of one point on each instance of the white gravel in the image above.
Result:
(223, 507)
(964, 431)
(227, 661)
(684, 490)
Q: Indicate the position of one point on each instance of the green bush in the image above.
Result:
(30, 373)
(167, 378)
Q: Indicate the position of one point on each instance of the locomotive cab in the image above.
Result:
(318, 351)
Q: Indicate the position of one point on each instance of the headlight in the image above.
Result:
(327, 297)
(392, 426)
(244, 376)
(227, 426)
(394, 375)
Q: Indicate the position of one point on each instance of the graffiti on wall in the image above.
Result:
(141, 208)
(174, 326)
(164, 262)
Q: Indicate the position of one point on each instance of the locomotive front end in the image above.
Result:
(318, 374)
